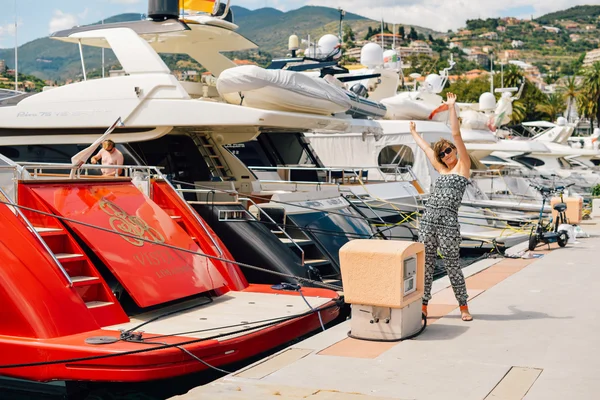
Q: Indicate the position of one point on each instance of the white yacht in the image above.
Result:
(184, 127)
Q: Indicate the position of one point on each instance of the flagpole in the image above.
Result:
(382, 46)
(16, 52)
(103, 54)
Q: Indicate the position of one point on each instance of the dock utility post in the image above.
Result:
(383, 281)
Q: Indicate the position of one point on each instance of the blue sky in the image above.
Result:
(37, 18)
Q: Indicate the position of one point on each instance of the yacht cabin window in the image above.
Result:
(529, 161)
(395, 156)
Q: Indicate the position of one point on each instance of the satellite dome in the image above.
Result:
(487, 102)
(561, 121)
(434, 83)
(328, 45)
(371, 55)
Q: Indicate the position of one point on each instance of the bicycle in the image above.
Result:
(549, 233)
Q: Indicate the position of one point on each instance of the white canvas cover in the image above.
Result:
(349, 150)
(283, 89)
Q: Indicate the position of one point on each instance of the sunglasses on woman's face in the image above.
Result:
(442, 154)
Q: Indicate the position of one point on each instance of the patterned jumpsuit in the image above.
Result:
(440, 228)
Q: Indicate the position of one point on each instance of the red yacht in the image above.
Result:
(91, 263)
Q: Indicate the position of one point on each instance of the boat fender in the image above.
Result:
(442, 108)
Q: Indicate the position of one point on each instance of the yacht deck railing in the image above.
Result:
(24, 171)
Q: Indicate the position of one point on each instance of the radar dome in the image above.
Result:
(328, 44)
(487, 102)
(434, 83)
(561, 121)
(371, 55)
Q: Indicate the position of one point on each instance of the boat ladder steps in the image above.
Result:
(317, 261)
(86, 279)
(43, 229)
(298, 241)
(66, 256)
(97, 304)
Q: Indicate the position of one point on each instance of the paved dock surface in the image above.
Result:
(535, 336)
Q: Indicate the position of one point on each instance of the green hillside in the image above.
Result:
(55, 60)
(577, 14)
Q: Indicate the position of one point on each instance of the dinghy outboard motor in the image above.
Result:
(160, 10)
(360, 90)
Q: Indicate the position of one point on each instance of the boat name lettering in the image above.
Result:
(80, 113)
(313, 204)
(157, 257)
(173, 271)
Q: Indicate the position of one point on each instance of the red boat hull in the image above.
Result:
(152, 365)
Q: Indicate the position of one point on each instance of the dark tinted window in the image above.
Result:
(250, 153)
(529, 161)
(178, 155)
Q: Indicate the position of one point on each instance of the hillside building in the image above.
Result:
(511, 54)
(591, 57)
(552, 29)
(479, 57)
(389, 39)
(489, 36)
(414, 49)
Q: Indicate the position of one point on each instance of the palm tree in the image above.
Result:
(570, 90)
(589, 97)
(513, 76)
(519, 111)
(553, 105)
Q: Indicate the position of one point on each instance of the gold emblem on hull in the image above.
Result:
(124, 223)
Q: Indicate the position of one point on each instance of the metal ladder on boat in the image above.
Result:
(318, 264)
(300, 242)
(68, 257)
(212, 155)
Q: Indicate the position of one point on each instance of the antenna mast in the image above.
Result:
(16, 52)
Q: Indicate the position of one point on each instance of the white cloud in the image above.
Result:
(8, 29)
(61, 21)
(439, 15)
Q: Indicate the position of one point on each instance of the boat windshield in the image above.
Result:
(274, 149)
(333, 230)
(11, 97)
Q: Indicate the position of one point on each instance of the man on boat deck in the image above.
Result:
(109, 156)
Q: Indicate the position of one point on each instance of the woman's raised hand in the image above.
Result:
(413, 127)
(450, 99)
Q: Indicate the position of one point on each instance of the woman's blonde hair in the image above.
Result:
(440, 146)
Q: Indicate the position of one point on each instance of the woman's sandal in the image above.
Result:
(465, 315)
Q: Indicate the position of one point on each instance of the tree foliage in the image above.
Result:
(570, 90)
(401, 32)
(588, 98)
(553, 105)
(489, 24)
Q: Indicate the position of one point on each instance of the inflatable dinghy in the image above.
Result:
(291, 91)
(416, 106)
(475, 120)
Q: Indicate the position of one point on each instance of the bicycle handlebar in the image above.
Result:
(546, 189)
